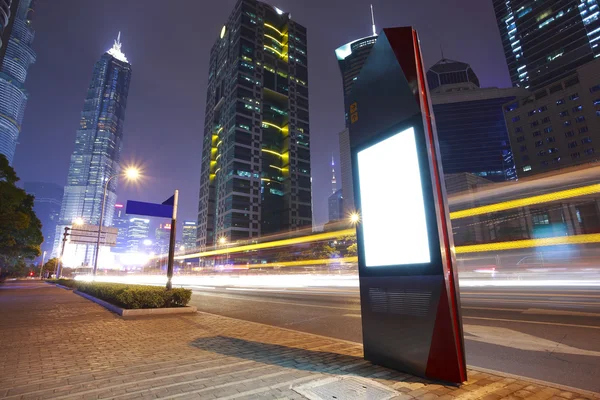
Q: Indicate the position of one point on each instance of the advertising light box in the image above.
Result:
(391, 197)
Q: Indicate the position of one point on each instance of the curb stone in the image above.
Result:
(137, 312)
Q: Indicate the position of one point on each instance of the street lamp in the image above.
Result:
(354, 218)
(130, 174)
(78, 221)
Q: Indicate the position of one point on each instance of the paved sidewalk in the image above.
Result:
(55, 344)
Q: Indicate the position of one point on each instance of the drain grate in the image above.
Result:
(347, 388)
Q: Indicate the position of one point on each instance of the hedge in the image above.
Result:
(132, 296)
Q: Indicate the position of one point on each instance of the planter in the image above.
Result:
(138, 312)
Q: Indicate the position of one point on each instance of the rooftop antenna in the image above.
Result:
(373, 21)
(442, 50)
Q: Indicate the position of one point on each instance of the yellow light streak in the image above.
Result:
(219, 130)
(218, 169)
(302, 263)
(276, 243)
(276, 167)
(529, 243)
(271, 37)
(275, 29)
(284, 129)
(272, 152)
(220, 142)
(528, 201)
(265, 179)
(217, 157)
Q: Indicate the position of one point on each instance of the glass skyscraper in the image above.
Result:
(97, 149)
(546, 40)
(351, 58)
(13, 96)
(255, 167)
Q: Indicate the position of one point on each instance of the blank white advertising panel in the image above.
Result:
(391, 196)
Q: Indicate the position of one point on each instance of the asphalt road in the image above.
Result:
(551, 334)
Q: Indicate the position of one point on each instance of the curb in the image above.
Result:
(592, 395)
(138, 312)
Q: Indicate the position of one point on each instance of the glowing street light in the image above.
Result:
(354, 218)
(181, 248)
(78, 221)
(130, 173)
(222, 240)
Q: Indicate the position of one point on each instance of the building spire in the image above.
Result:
(373, 21)
(116, 52)
(333, 181)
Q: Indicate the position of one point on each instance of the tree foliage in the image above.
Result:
(20, 229)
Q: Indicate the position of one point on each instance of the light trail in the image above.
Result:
(529, 243)
(269, 245)
(528, 201)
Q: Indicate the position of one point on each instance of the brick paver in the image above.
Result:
(57, 345)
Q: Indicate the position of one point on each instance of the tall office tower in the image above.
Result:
(13, 96)
(546, 40)
(470, 122)
(351, 58)
(97, 152)
(188, 233)
(8, 11)
(255, 168)
(48, 198)
(121, 222)
(162, 234)
(335, 204)
(137, 232)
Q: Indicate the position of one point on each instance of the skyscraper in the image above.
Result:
(255, 167)
(48, 198)
(335, 203)
(546, 40)
(13, 96)
(188, 234)
(351, 58)
(137, 232)
(162, 235)
(97, 148)
(470, 122)
(8, 10)
(121, 222)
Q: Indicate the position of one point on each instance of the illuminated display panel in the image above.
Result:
(391, 195)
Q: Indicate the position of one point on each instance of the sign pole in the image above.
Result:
(62, 252)
(172, 241)
(42, 264)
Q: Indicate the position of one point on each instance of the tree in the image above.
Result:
(49, 267)
(20, 229)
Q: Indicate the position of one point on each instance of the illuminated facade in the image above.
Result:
(121, 222)
(255, 167)
(351, 58)
(470, 122)
(188, 233)
(97, 148)
(557, 126)
(546, 40)
(13, 95)
(137, 232)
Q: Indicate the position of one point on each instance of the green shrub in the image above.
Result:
(135, 296)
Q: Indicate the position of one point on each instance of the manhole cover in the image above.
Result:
(347, 388)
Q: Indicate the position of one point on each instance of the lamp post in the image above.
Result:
(130, 173)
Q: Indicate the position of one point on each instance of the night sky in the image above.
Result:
(168, 45)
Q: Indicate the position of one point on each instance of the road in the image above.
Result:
(551, 334)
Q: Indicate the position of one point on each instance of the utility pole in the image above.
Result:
(62, 252)
(172, 241)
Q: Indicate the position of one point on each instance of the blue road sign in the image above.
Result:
(149, 209)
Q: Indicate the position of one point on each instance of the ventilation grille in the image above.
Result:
(400, 301)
